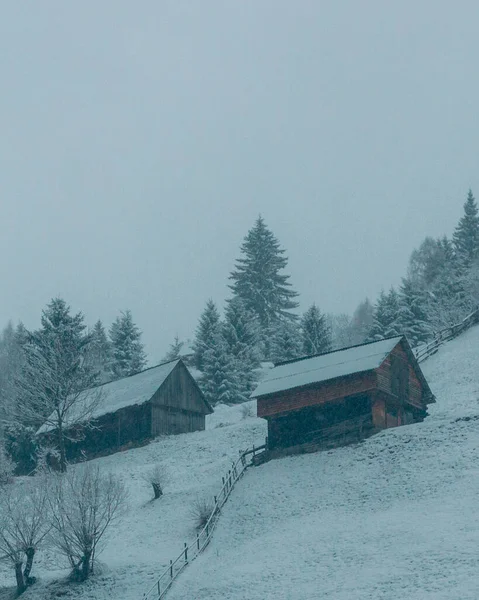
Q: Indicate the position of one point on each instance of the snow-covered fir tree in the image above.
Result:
(174, 350)
(466, 234)
(385, 317)
(286, 343)
(362, 322)
(101, 352)
(315, 332)
(241, 333)
(128, 355)
(11, 360)
(342, 332)
(206, 330)
(221, 381)
(258, 278)
(412, 315)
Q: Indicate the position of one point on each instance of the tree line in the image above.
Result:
(261, 323)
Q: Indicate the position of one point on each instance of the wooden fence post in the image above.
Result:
(171, 568)
(186, 552)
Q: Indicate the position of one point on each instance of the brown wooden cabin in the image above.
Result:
(342, 396)
(161, 400)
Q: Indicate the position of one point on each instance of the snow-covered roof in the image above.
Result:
(320, 368)
(121, 393)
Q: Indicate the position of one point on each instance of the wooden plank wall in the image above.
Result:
(178, 406)
(322, 393)
(385, 383)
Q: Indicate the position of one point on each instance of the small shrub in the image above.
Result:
(6, 467)
(201, 512)
(157, 477)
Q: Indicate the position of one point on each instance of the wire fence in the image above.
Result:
(203, 537)
(448, 333)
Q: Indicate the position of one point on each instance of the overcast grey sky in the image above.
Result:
(140, 140)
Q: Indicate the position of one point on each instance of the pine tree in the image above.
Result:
(241, 333)
(174, 351)
(101, 352)
(206, 330)
(385, 318)
(128, 352)
(362, 322)
(286, 343)
(412, 314)
(221, 380)
(258, 279)
(466, 234)
(315, 332)
(11, 361)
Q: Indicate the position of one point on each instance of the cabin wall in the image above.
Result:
(291, 400)
(128, 427)
(321, 424)
(390, 374)
(178, 406)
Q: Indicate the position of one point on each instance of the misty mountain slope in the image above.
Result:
(394, 517)
(140, 546)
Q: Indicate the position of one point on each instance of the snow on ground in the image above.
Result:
(394, 517)
(151, 533)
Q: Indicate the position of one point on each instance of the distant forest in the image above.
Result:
(40, 370)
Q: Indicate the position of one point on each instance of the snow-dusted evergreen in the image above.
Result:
(362, 322)
(101, 353)
(286, 342)
(412, 318)
(241, 333)
(11, 358)
(385, 316)
(127, 349)
(258, 278)
(315, 332)
(207, 328)
(174, 350)
(223, 379)
(466, 234)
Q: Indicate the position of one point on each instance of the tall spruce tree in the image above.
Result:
(385, 318)
(174, 350)
(362, 322)
(127, 350)
(258, 278)
(221, 381)
(466, 234)
(286, 343)
(241, 334)
(206, 330)
(315, 332)
(412, 315)
(101, 352)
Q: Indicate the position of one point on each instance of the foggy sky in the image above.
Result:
(140, 141)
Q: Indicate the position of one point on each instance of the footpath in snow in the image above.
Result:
(392, 518)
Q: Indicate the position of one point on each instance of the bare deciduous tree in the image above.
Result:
(54, 390)
(23, 527)
(84, 502)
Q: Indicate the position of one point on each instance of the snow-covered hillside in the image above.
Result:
(394, 517)
(152, 532)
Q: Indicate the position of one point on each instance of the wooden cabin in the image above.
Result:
(162, 400)
(342, 396)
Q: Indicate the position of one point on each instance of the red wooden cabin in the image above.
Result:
(342, 396)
